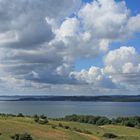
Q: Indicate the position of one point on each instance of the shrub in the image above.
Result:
(36, 118)
(12, 137)
(15, 137)
(60, 125)
(24, 136)
(20, 115)
(109, 135)
(41, 120)
(98, 120)
(67, 127)
(129, 124)
(103, 121)
(43, 116)
(54, 126)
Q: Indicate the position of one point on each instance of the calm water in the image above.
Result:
(62, 108)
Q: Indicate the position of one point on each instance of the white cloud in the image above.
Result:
(94, 28)
(117, 61)
(121, 71)
(68, 28)
(134, 23)
(105, 18)
(130, 68)
(26, 18)
(41, 41)
(94, 76)
(123, 65)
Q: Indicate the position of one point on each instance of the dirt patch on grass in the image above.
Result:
(91, 137)
(55, 134)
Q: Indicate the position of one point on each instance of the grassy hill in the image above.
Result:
(60, 130)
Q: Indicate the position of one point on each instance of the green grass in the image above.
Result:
(11, 125)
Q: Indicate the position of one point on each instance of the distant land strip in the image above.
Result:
(113, 98)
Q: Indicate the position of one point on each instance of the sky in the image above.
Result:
(69, 47)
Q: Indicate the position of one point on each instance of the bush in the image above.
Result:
(54, 126)
(36, 118)
(60, 125)
(15, 137)
(41, 120)
(43, 116)
(12, 137)
(110, 135)
(20, 115)
(129, 124)
(24, 136)
(98, 120)
(103, 121)
(67, 127)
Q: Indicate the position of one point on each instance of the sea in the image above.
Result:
(58, 109)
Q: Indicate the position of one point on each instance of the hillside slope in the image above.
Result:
(70, 130)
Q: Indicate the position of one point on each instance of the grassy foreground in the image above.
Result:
(53, 131)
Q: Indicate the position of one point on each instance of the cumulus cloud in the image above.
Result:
(95, 26)
(105, 18)
(123, 65)
(133, 23)
(121, 60)
(24, 21)
(94, 76)
(40, 42)
(25, 34)
(121, 71)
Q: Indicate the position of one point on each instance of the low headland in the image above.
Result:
(110, 98)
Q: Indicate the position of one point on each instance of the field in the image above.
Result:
(68, 131)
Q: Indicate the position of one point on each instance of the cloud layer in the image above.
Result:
(41, 41)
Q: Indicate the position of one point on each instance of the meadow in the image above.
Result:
(63, 130)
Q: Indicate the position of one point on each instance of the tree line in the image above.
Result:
(101, 120)
(90, 119)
